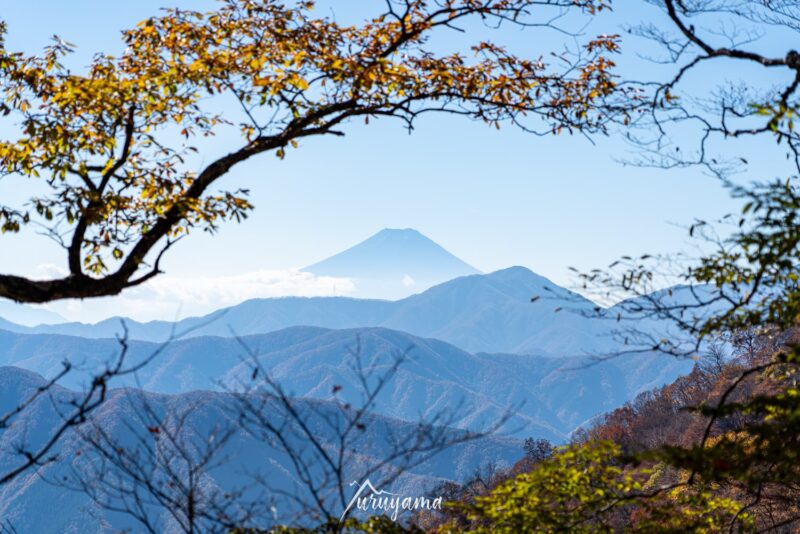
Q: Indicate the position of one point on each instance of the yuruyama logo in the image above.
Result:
(374, 501)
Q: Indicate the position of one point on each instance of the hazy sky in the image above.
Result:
(493, 198)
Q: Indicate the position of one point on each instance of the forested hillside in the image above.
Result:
(694, 454)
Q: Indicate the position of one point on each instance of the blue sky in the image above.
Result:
(493, 198)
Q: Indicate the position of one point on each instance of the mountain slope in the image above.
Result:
(478, 313)
(494, 313)
(550, 396)
(393, 263)
(33, 503)
(22, 314)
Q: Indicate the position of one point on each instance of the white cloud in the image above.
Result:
(408, 281)
(45, 271)
(236, 288)
(171, 297)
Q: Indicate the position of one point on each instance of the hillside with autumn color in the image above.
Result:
(638, 464)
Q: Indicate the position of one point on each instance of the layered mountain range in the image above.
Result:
(41, 500)
(478, 313)
(550, 396)
(509, 345)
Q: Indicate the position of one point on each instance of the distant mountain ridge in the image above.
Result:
(551, 397)
(32, 503)
(25, 315)
(393, 263)
(477, 313)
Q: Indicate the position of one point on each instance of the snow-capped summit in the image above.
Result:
(393, 263)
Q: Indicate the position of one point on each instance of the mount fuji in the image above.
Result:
(392, 264)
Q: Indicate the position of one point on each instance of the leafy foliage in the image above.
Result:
(115, 145)
(718, 449)
(559, 494)
(587, 488)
